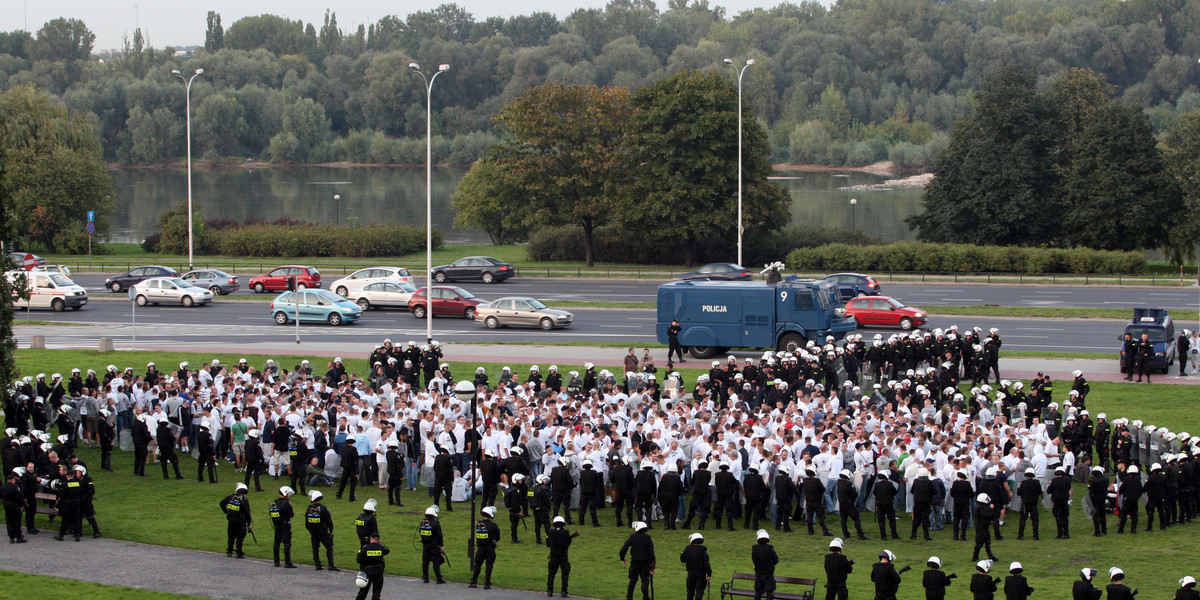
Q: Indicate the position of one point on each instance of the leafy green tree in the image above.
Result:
(996, 183)
(53, 169)
(330, 36)
(1182, 156)
(214, 34)
(220, 122)
(155, 136)
(565, 149)
(275, 34)
(684, 145)
(304, 129)
(8, 231)
(491, 198)
(62, 40)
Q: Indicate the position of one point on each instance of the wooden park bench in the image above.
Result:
(728, 589)
(47, 504)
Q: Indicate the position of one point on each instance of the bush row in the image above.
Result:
(311, 240)
(964, 258)
(615, 245)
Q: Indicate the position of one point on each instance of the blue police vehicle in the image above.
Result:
(715, 316)
(1158, 325)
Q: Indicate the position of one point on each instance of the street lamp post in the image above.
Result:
(188, 95)
(853, 214)
(460, 388)
(337, 201)
(429, 194)
(749, 63)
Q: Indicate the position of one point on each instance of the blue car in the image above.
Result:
(315, 306)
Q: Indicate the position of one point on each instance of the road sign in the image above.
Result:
(91, 228)
(91, 216)
(29, 263)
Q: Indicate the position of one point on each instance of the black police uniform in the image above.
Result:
(254, 462)
(983, 586)
(695, 559)
(207, 458)
(837, 571)
(366, 526)
(1098, 493)
(166, 450)
(443, 478)
(727, 496)
(1131, 490)
(298, 457)
(87, 509)
(237, 513)
(640, 548)
(394, 462)
(645, 486)
(281, 517)
(785, 491)
(489, 471)
(847, 497)
(349, 470)
(935, 582)
(591, 494)
(319, 523)
(430, 531)
(620, 477)
(885, 508)
(516, 500)
(14, 500)
(922, 494)
(558, 540)
(370, 562)
(1030, 493)
(1016, 587)
(539, 503)
(887, 580)
(1156, 499)
(1060, 497)
(1084, 590)
(1119, 591)
(562, 484)
(70, 493)
(487, 534)
(983, 530)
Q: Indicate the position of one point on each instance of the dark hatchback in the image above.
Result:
(854, 284)
(132, 277)
(719, 272)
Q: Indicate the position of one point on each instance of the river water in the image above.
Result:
(397, 195)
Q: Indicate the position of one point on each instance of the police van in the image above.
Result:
(47, 290)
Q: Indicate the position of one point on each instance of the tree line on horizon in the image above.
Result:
(851, 84)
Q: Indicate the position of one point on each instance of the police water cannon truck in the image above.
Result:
(715, 316)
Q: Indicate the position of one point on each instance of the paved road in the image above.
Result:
(249, 322)
(210, 575)
(931, 294)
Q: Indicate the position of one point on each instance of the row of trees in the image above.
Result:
(661, 162)
(860, 81)
(1065, 167)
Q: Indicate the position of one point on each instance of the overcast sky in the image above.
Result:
(181, 23)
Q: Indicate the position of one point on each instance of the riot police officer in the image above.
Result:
(640, 548)
(319, 523)
(558, 540)
(365, 524)
(487, 534)
(432, 549)
(371, 564)
(699, 570)
(240, 520)
(281, 512)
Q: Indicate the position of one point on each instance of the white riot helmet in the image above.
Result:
(315, 495)
(287, 491)
(432, 511)
(835, 544)
(762, 535)
(361, 580)
(489, 512)
(694, 537)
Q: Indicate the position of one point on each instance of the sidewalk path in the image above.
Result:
(206, 574)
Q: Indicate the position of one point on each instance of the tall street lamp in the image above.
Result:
(429, 193)
(188, 94)
(337, 201)
(853, 214)
(749, 63)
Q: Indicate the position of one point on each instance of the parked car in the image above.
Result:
(474, 268)
(18, 259)
(60, 269)
(447, 302)
(1160, 329)
(47, 290)
(218, 282)
(719, 271)
(159, 290)
(275, 280)
(356, 280)
(524, 312)
(384, 294)
(315, 306)
(882, 310)
(132, 277)
(854, 284)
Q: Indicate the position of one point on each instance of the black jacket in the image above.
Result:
(887, 580)
(1084, 590)
(558, 541)
(983, 587)
(646, 483)
(370, 558)
(837, 569)
(1016, 587)
(639, 547)
(764, 558)
(935, 582)
(695, 556)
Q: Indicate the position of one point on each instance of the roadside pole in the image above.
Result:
(133, 313)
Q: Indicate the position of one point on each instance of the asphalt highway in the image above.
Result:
(920, 294)
(239, 321)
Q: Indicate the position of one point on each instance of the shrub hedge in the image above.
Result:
(322, 240)
(964, 258)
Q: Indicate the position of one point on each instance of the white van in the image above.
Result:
(49, 290)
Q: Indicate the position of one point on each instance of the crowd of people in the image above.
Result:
(827, 433)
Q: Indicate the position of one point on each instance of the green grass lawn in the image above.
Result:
(133, 510)
(22, 585)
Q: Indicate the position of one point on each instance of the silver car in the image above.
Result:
(521, 312)
(158, 290)
(389, 293)
(218, 282)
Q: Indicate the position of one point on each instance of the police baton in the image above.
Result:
(447, 557)
(523, 524)
(252, 536)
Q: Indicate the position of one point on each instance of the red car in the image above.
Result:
(447, 302)
(276, 280)
(882, 310)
